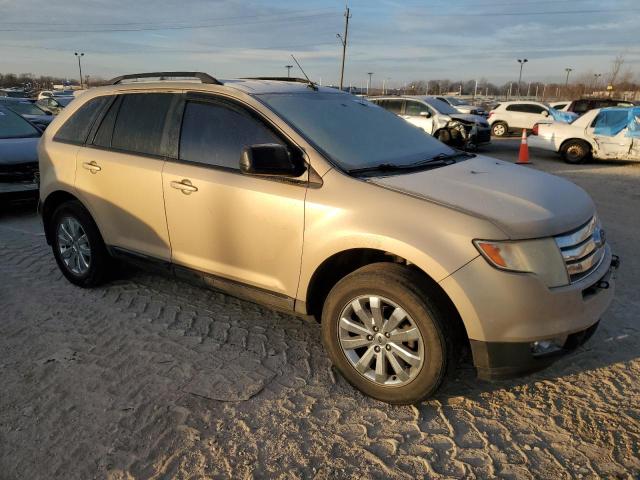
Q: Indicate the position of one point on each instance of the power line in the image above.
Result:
(297, 18)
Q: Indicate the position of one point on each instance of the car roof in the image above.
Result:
(250, 86)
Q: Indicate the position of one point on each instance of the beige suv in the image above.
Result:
(322, 204)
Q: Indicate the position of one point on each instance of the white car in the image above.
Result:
(437, 118)
(463, 106)
(606, 134)
(516, 115)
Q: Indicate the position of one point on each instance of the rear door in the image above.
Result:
(525, 115)
(119, 173)
(236, 227)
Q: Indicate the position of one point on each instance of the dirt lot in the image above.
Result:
(150, 378)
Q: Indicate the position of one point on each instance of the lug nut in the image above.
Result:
(387, 334)
(388, 347)
(377, 348)
(369, 337)
(375, 329)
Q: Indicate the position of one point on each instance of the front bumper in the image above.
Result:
(18, 190)
(482, 136)
(504, 313)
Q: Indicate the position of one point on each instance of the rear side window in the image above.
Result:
(140, 122)
(216, 133)
(77, 127)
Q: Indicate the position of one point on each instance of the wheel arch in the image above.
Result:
(51, 202)
(576, 139)
(342, 263)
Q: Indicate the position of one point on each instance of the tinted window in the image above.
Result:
(76, 128)
(394, 106)
(105, 131)
(14, 126)
(216, 133)
(414, 108)
(525, 108)
(140, 122)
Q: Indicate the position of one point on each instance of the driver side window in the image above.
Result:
(414, 108)
(214, 133)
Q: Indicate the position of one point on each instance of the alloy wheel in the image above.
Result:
(73, 246)
(381, 340)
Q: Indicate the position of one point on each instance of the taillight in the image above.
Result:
(534, 130)
(490, 113)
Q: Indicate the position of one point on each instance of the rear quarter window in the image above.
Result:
(76, 128)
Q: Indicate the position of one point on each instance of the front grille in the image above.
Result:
(582, 249)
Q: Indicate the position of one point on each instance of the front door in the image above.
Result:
(238, 227)
(419, 114)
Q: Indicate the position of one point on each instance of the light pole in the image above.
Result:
(79, 55)
(521, 62)
(369, 84)
(288, 67)
(597, 80)
(566, 82)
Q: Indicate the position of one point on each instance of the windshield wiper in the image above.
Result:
(440, 160)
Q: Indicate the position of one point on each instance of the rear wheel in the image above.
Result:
(499, 129)
(78, 246)
(385, 335)
(576, 151)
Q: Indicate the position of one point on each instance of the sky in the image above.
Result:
(399, 41)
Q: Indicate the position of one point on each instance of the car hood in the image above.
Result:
(522, 202)
(15, 151)
(469, 118)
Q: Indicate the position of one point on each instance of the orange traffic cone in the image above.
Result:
(523, 156)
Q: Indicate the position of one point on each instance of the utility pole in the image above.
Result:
(369, 84)
(475, 90)
(343, 40)
(537, 85)
(566, 83)
(528, 89)
(521, 62)
(288, 67)
(79, 65)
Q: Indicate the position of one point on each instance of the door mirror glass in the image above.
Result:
(269, 159)
(425, 114)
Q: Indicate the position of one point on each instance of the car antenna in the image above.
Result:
(310, 84)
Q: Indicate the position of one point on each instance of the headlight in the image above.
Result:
(541, 257)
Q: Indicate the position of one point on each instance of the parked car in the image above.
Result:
(319, 203)
(517, 115)
(12, 93)
(585, 104)
(463, 106)
(561, 105)
(54, 104)
(18, 157)
(438, 119)
(29, 110)
(605, 134)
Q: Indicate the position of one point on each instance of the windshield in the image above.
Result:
(24, 108)
(455, 101)
(64, 101)
(441, 107)
(353, 132)
(13, 125)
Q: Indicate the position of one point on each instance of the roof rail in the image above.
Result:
(203, 77)
(279, 79)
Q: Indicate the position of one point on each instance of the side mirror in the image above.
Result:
(270, 159)
(425, 114)
(545, 113)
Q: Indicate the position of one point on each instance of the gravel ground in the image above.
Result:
(151, 378)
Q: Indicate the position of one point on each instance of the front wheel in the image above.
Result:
(385, 335)
(78, 246)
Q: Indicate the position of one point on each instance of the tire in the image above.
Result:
(443, 135)
(499, 129)
(432, 339)
(575, 151)
(76, 236)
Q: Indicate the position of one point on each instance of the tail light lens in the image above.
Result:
(534, 130)
(490, 113)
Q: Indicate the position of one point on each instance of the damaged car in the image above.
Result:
(605, 134)
(439, 119)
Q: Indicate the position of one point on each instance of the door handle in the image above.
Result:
(185, 185)
(93, 167)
